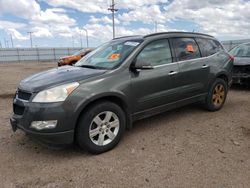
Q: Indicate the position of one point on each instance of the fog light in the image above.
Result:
(39, 125)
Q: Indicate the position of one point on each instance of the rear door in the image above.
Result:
(154, 87)
(194, 70)
(209, 49)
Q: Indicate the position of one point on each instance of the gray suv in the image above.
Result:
(124, 80)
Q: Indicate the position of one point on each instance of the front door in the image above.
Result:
(154, 87)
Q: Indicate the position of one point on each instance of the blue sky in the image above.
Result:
(63, 22)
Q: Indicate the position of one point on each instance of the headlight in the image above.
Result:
(56, 94)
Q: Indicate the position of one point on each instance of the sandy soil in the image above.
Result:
(187, 147)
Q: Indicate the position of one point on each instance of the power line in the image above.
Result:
(31, 43)
(113, 10)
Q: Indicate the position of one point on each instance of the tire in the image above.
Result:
(96, 134)
(217, 95)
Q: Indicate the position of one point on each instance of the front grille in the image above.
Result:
(19, 110)
(23, 95)
(241, 69)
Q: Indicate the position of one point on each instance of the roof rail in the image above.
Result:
(175, 32)
(127, 36)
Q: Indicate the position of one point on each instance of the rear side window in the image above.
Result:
(156, 53)
(208, 47)
(185, 48)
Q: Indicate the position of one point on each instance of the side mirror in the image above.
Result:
(141, 65)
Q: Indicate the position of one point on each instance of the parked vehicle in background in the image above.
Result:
(126, 79)
(71, 60)
(241, 69)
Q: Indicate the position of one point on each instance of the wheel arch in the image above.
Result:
(116, 98)
(224, 76)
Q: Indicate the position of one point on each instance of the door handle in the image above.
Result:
(204, 66)
(172, 73)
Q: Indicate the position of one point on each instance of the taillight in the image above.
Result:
(231, 58)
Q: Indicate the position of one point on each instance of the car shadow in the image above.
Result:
(73, 151)
(167, 116)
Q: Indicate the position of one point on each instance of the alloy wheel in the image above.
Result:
(218, 95)
(104, 128)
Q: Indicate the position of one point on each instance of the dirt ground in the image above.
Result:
(188, 147)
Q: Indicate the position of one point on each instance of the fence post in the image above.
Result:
(18, 57)
(54, 50)
(37, 52)
(68, 51)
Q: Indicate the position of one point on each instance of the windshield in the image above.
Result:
(241, 51)
(109, 55)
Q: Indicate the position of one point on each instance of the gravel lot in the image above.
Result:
(187, 147)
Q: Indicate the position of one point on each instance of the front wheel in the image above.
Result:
(100, 128)
(217, 95)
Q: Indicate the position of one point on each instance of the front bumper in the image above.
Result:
(61, 138)
(63, 133)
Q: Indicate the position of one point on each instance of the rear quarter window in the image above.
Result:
(185, 48)
(208, 46)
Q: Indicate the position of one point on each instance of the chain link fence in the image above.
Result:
(18, 55)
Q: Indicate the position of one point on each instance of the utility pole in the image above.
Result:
(11, 39)
(30, 33)
(87, 37)
(113, 10)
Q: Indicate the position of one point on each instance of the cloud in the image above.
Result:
(11, 28)
(41, 32)
(102, 20)
(53, 17)
(17, 35)
(217, 17)
(21, 8)
(44, 23)
(99, 6)
(146, 14)
(11, 25)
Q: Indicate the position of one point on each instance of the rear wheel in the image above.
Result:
(100, 128)
(217, 95)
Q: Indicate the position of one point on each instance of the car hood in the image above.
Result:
(57, 76)
(242, 61)
(66, 57)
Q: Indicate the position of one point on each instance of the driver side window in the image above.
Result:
(156, 53)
